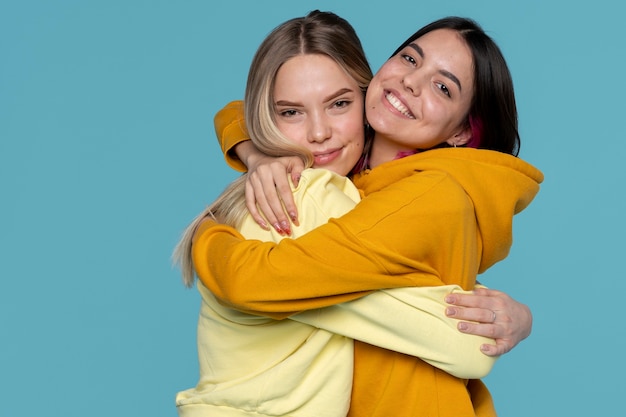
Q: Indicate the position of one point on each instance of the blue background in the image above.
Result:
(107, 150)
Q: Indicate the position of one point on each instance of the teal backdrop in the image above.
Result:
(107, 150)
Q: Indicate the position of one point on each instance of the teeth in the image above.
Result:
(398, 105)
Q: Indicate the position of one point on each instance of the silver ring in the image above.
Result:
(494, 316)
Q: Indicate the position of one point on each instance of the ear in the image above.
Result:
(461, 138)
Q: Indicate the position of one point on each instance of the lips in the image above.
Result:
(326, 157)
(397, 104)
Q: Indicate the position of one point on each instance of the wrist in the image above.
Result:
(245, 151)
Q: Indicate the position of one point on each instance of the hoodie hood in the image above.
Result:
(499, 186)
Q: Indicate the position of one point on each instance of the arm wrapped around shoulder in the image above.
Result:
(230, 128)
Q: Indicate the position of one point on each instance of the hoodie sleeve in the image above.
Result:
(409, 321)
(230, 128)
(419, 231)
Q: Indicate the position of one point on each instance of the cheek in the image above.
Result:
(354, 133)
(375, 88)
(354, 148)
(354, 127)
(372, 95)
(435, 112)
(295, 133)
(351, 124)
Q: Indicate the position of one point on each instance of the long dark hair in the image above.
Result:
(493, 112)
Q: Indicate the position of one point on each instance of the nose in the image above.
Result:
(319, 128)
(412, 82)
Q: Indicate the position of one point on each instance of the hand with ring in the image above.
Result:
(493, 314)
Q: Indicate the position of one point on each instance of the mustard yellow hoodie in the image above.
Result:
(437, 217)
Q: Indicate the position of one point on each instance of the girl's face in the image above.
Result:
(421, 96)
(320, 107)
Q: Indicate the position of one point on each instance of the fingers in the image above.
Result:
(296, 166)
(480, 315)
(479, 298)
(479, 329)
(284, 204)
(493, 331)
(492, 314)
(262, 194)
(251, 204)
(483, 306)
(269, 196)
(495, 350)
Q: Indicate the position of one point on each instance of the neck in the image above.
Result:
(384, 150)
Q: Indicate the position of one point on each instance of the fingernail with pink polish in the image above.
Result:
(285, 227)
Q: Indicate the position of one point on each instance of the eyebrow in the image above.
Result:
(337, 93)
(445, 73)
(287, 103)
(330, 97)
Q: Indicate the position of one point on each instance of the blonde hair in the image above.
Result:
(322, 33)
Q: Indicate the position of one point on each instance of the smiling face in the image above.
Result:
(421, 96)
(320, 107)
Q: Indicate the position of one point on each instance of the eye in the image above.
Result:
(340, 104)
(408, 58)
(288, 113)
(444, 89)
